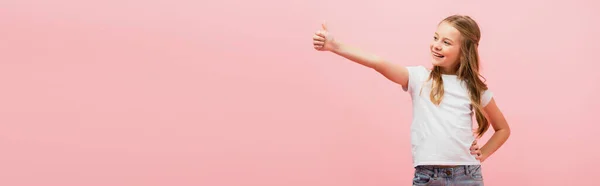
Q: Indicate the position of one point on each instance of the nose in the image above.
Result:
(437, 46)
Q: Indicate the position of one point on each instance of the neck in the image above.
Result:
(448, 71)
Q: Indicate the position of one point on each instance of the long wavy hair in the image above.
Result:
(468, 69)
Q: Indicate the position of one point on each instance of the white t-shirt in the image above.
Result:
(441, 135)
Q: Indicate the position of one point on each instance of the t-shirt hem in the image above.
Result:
(445, 163)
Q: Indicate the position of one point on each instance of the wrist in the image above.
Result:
(336, 46)
(484, 154)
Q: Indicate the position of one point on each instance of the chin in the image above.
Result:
(435, 62)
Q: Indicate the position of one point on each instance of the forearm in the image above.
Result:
(495, 142)
(357, 55)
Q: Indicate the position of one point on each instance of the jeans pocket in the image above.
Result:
(475, 172)
(422, 177)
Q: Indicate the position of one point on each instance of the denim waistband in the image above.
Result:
(445, 171)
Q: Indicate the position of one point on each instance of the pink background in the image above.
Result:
(231, 93)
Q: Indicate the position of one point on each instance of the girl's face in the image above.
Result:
(445, 46)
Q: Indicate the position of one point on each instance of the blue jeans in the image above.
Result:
(463, 175)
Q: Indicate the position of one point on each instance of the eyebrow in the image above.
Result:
(445, 38)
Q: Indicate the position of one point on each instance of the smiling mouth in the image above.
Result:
(437, 55)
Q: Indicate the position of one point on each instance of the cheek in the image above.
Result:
(453, 52)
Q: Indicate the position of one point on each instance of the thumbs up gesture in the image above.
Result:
(323, 40)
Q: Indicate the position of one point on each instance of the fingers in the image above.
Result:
(318, 38)
(476, 151)
(318, 44)
(477, 154)
(479, 157)
(318, 41)
(474, 148)
(319, 47)
(321, 33)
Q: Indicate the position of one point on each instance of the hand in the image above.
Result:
(323, 40)
(475, 150)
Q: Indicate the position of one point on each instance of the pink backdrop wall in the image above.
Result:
(232, 93)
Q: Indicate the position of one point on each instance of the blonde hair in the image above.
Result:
(467, 70)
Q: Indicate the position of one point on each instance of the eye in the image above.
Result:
(446, 42)
(435, 38)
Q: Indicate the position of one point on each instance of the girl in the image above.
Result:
(444, 99)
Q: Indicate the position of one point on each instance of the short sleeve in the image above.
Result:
(416, 75)
(486, 97)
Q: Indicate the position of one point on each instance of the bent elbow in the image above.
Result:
(505, 132)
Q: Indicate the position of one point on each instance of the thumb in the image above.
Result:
(324, 25)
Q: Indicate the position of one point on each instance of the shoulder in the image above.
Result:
(486, 97)
(416, 74)
(417, 71)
